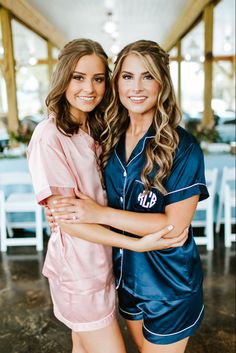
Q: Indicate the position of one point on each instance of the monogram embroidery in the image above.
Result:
(147, 200)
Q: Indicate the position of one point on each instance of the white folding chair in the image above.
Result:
(13, 200)
(228, 178)
(205, 209)
(229, 206)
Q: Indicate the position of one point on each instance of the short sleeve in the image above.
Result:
(50, 171)
(187, 177)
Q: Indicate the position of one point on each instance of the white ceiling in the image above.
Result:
(136, 19)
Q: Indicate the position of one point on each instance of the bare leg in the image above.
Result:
(77, 346)
(144, 346)
(105, 340)
(178, 347)
(135, 328)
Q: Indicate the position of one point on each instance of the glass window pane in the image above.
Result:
(174, 68)
(224, 28)
(30, 52)
(3, 94)
(173, 52)
(174, 75)
(192, 71)
(55, 53)
(223, 102)
(32, 89)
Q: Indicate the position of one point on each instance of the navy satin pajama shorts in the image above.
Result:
(164, 322)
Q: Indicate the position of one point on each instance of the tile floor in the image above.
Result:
(27, 324)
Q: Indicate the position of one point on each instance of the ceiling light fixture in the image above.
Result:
(109, 25)
(32, 61)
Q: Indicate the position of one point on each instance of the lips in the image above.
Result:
(137, 99)
(86, 98)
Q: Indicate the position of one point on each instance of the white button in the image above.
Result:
(125, 174)
(121, 199)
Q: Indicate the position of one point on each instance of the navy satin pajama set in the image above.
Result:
(163, 287)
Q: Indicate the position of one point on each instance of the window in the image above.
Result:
(223, 102)
(174, 68)
(192, 71)
(30, 52)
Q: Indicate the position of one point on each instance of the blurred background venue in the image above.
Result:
(199, 36)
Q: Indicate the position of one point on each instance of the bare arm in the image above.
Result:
(178, 214)
(102, 235)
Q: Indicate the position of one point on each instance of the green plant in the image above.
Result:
(22, 134)
(204, 133)
(207, 134)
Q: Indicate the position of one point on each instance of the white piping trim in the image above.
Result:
(121, 269)
(121, 250)
(140, 182)
(119, 160)
(176, 333)
(172, 192)
(187, 187)
(124, 197)
(147, 137)
(126, 312)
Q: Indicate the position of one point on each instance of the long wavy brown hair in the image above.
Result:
(56, 101)
(161, 149)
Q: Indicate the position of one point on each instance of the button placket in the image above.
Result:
(122, 200)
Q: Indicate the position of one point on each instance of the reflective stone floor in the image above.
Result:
(27, 324)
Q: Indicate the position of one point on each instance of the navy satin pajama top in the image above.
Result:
(162, 274)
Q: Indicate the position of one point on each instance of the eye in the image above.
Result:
(78, 77)
(148, 77)
(99, 79)
(126, 77)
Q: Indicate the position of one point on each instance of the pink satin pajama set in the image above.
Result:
(80, 273)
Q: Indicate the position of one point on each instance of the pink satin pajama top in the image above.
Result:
(65, 165)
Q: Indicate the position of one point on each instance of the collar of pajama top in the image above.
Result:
(168, 273)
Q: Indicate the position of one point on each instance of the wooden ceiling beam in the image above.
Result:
(24, 12)
(189, 16)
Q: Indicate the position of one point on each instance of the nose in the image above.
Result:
(137, 85)
(88, 86)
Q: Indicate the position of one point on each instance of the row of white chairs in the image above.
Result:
(22, 202)
(225, 212)
(17, 196)
(227, 203)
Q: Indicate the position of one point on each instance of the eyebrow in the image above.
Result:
(131, 73)
(82, 73)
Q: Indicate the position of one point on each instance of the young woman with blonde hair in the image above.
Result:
(154, 176)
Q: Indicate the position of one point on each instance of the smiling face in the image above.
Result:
(87, 85)
(138, 90)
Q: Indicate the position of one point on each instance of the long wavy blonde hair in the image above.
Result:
(161, 149)
(56, 101)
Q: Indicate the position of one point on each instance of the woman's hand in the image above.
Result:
(50, 218)
(71, 210)
(155, 241)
